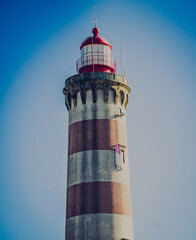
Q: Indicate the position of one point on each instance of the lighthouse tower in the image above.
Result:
(98, 182)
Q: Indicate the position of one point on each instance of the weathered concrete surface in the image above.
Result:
(98, 110)
(99, 227)
(96, 134)
(98, 197)
(95, 102)
(96, 165)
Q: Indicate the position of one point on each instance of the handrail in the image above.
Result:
(96, 59)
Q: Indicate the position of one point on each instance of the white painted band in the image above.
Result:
(99, 226)
(96, 165)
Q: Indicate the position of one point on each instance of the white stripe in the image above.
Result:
(99, 226)
(96, 165)
(99, 110)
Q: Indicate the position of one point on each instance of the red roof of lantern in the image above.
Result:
(95, 39)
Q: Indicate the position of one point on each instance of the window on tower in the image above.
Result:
(122, 155)
(122, 97)
(119, 156)
(69, 100)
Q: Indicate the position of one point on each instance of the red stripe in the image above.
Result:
(96, 134)
(98, 197)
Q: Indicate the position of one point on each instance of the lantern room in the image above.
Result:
(96, 55)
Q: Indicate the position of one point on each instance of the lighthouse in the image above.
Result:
(98, 179)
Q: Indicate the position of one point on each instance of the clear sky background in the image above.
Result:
(40, 43)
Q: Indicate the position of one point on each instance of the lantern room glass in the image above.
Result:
(96, 54)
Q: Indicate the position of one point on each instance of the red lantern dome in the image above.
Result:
(96, 55)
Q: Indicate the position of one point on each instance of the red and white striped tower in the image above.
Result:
(98, 183)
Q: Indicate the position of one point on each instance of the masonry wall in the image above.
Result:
(98, 194)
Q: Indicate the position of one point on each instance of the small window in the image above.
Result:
(88, 48)
(107, 50)
(122, 97)
(82, 51)
(84, 60)
(122, 155)
(100, 48)
(119, 156)
(94, 48)
(69, 100)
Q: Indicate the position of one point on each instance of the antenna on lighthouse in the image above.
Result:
(124, 59)
(121, 57)
(95, 19)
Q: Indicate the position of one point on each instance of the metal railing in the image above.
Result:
(96, 59)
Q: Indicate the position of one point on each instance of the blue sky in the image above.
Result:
(40, 43)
